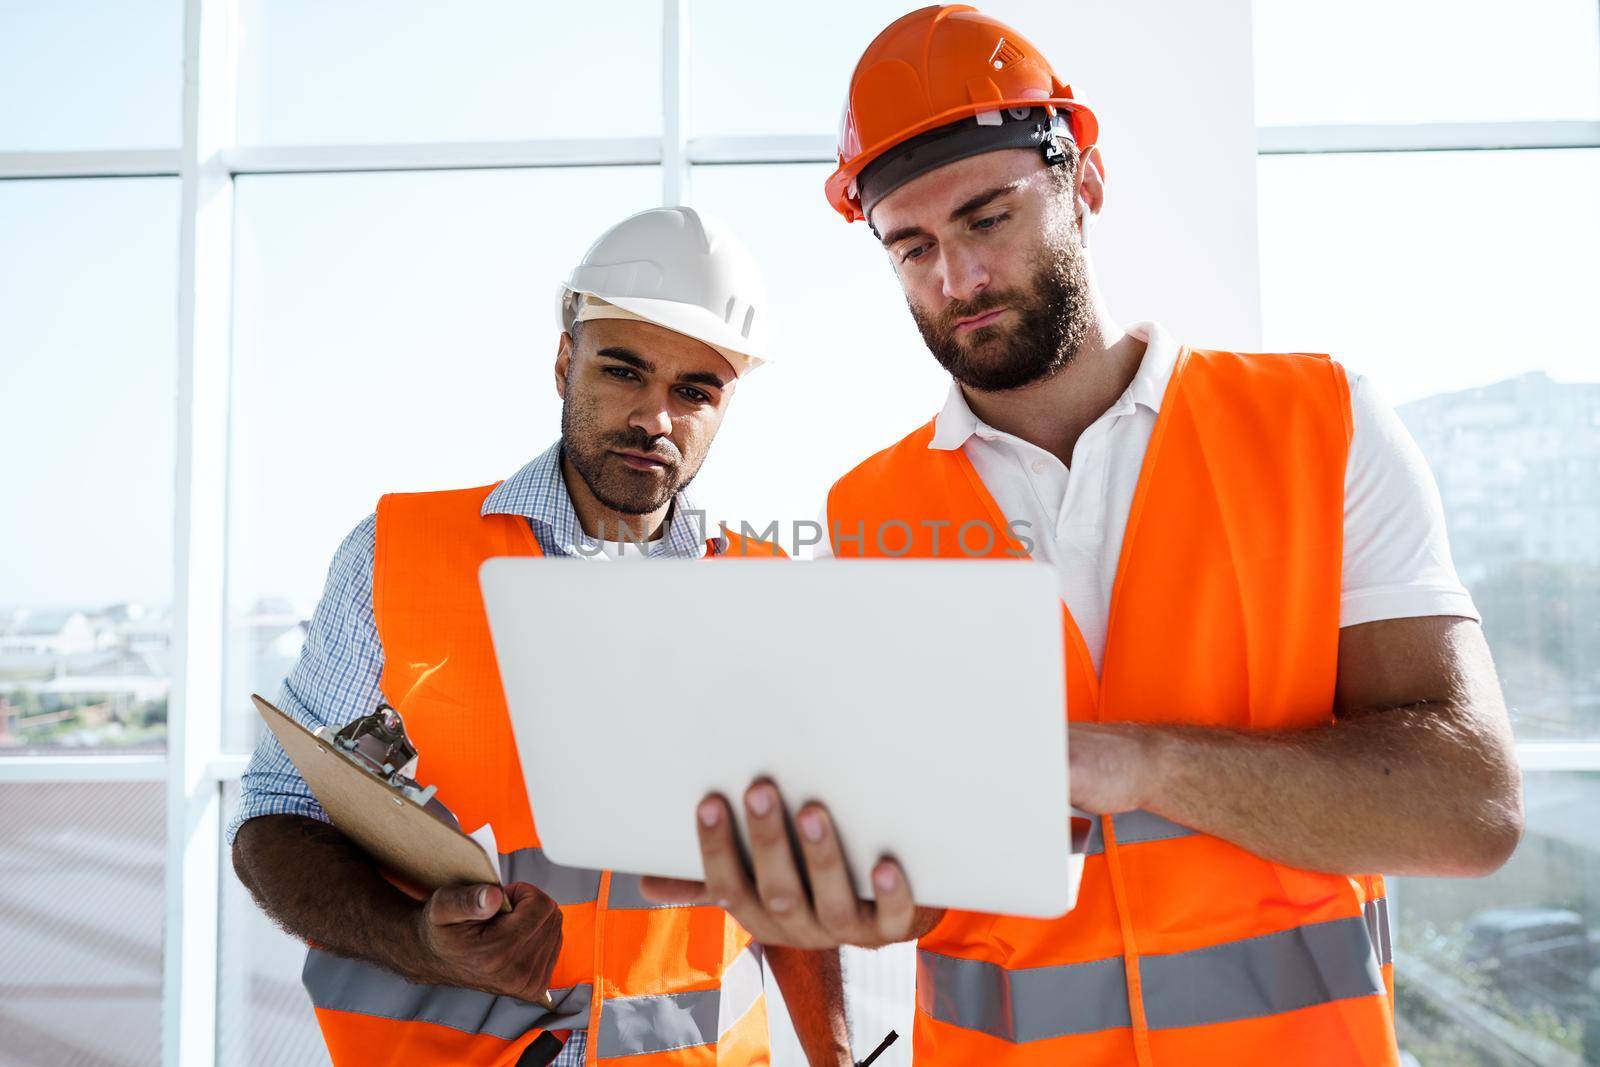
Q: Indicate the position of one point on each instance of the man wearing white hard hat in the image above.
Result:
(659, 321)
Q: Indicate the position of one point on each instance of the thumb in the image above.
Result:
(463, 904)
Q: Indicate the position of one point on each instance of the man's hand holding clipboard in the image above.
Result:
(358, 776)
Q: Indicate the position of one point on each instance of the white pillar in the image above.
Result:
(199, 536)
(675, 102)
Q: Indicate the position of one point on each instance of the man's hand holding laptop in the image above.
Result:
(818, 907)
(773, 903)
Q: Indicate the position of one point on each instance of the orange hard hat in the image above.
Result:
(936, 66)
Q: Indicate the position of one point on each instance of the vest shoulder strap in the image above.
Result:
(426, 540)
(901, 493)
(908, 481)
(1274, 387)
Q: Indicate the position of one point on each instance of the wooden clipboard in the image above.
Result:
(392, 828)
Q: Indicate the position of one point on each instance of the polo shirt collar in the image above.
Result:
(956, 423)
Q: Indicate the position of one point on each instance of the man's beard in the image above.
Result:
(1054, 313)
(613, 483)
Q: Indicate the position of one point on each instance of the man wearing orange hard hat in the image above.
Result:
(1277, 686)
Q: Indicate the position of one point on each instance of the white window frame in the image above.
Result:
(194, 767)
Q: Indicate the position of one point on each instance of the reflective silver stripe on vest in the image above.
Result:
(339, 984)
(574, 885)
(1134, 828)
(626, 895)
(565, 885)
(1298, 968)
(1029, 1004)
(632, 1026)
(1377, 916)
(1246, 979)
(628, 1025)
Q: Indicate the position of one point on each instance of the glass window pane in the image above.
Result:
(1407, 268)
(1432, 271)
(734, 85)
(264, 1017)
(93, 74)
(487, 70)
(88, 365)
(81, 907)
(1506, 969)
(1379, 61)
(392, 332)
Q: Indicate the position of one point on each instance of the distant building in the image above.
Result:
(84, 677)
(49, 633)
(1518, 466)
(137, 626)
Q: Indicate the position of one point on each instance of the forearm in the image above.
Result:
(316, 884)
(1424, 789)
(813, 990)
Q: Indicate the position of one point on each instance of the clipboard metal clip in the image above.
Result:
(378, 744)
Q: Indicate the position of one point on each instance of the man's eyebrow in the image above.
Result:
(633, 359)
(894, 237)
(628, 356)
(972, 204)
(966, 207)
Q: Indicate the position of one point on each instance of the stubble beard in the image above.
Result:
(613, 483)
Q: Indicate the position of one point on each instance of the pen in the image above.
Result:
(882, 1045)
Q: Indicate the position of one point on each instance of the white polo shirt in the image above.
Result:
(1396, 556)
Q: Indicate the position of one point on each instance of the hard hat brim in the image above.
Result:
(691, 320)
(840, 186)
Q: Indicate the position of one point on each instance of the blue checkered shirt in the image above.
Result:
(336, 678)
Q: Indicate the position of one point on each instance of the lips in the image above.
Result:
(640, 461)
(975, 322)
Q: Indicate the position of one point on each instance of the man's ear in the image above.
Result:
(1091, 179)
(563, 363)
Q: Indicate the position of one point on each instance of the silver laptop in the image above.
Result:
(922, 701)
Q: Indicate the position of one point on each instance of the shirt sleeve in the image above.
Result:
(1396, 554)
(336, 679)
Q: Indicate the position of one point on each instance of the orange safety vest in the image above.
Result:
(1183, 949)
(661, 986)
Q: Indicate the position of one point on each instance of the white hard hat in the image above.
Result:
(680, 269)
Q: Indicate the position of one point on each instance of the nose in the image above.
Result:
(652, 417)
(965, 275)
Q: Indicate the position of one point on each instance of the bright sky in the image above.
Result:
(1429, 273)
(88, 366)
